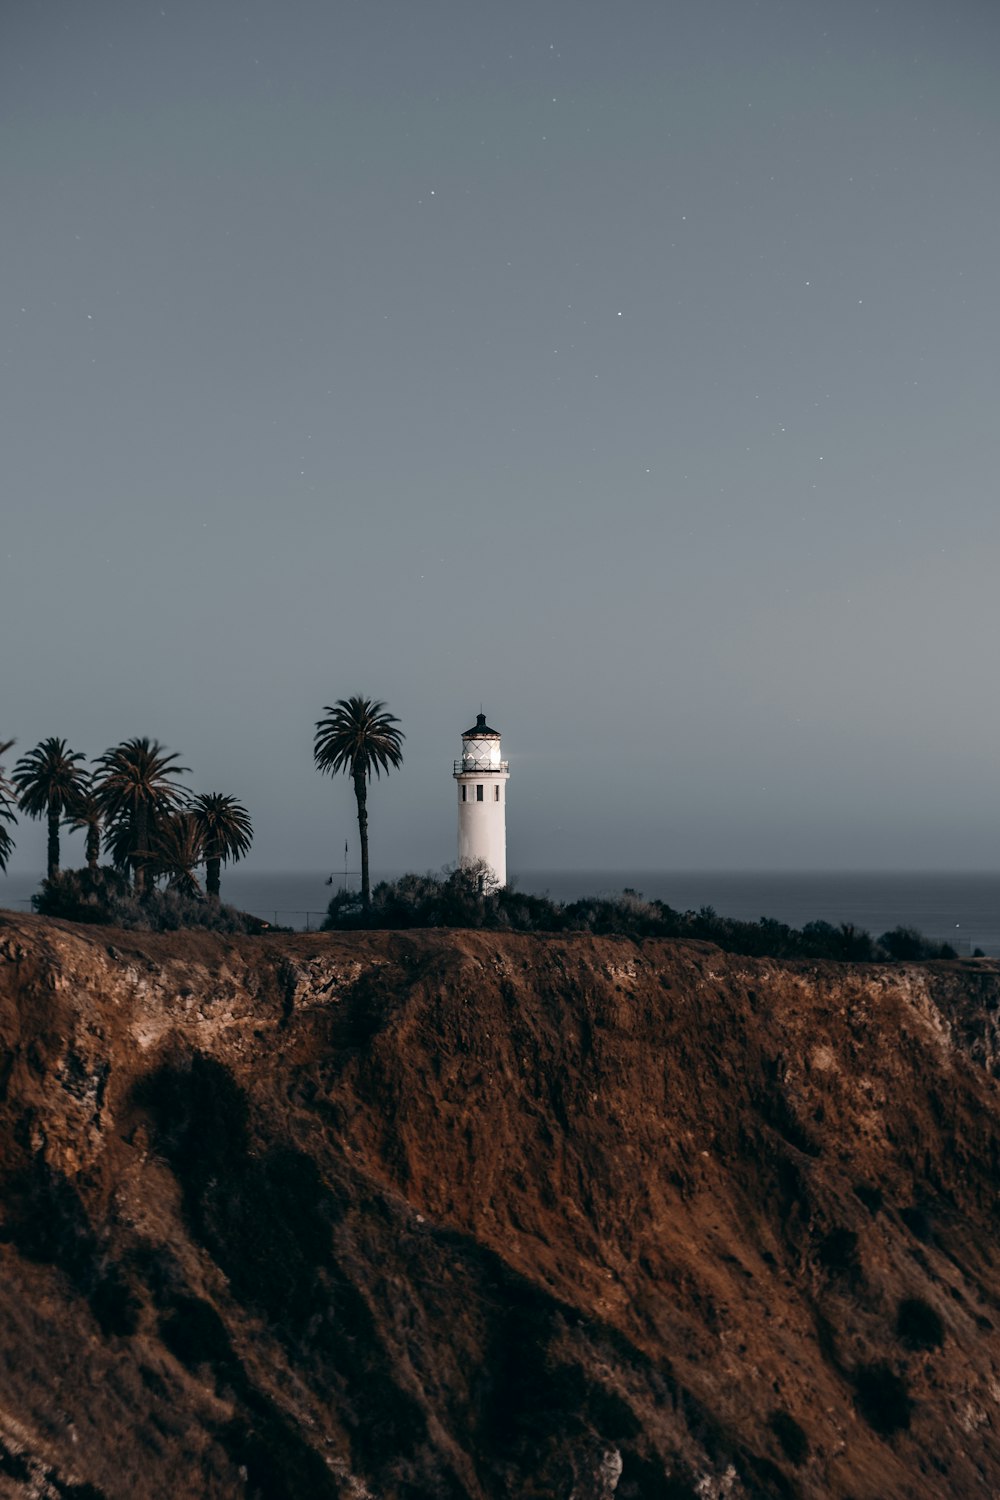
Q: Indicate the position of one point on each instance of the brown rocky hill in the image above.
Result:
(448, 1214)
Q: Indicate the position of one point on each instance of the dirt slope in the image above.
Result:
(456, 1214)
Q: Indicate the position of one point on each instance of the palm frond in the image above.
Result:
(8, 795)
(48, 779)
(8, 803)
(134, 793)
(120, 842)
(177, 849)
(358, 736)
(86, 812)
(225, 825)
(135, 774)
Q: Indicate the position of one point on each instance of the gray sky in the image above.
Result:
(630, 368)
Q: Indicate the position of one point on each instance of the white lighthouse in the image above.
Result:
(481, 777)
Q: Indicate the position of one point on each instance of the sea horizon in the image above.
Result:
(959, 907)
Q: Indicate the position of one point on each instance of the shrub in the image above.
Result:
(918, 1325)
(906, 944)
(170, 911)
(918, 1221)
(105, 897)
(838, 1252)
(882, 1399)
(794, 1443)
(469, 897)
(82, 895)
(194, 1333)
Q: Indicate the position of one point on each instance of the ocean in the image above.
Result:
(962, 909)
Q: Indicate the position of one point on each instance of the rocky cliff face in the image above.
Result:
(453, 1214)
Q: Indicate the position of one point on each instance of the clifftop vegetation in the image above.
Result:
(468, 897)
(156, 833)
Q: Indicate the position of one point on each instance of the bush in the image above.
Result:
(919, 1222)
(104, 897)
(918, 1325)
(194, 1333)
(466, 897)
(837, 1252)
(907, 944)
(882, 1399)
(469, 897)
(82, 895)
(794, 1443)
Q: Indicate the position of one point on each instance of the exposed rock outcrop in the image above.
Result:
(450, 1214)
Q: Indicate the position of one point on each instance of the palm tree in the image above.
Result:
(178, 848)
(49, 782)
(134, 794)
(8, 802)
(359, 737)
(227, 833)
(87, 817)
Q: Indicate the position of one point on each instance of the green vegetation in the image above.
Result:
(136, 796)
(469, 897)
(49, 785)
(359, 737)
(87, 818)
(104, 898)
(837, 1252)
(177, 849)
(882, 1398)
(152, 828)
(790, 1435)
(918, 1325)
(225, 831)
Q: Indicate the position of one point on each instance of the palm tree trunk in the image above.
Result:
(213, 873)
(53, 843)
(93, 846)
(361, 793)
(141, 838)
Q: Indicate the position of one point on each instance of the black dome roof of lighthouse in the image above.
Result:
(480, 730)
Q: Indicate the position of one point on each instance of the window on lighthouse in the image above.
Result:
(496, 794)
(464, 790)
(479, 794)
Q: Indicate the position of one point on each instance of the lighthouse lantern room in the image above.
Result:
(481, 777)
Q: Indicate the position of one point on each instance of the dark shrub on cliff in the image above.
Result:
(83, 895)
(790, 1435)
(170, 911)
(918, 1325)
(105, 898)
(908, 943)
(466, 897)
(469, 897)
(882, 1399)
(853, 944)
(628, 914)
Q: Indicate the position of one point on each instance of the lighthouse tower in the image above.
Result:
(481, 777)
